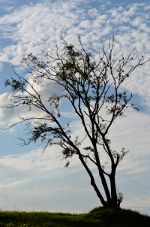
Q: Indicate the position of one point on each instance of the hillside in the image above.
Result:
(97, 217)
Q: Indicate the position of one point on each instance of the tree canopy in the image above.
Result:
(91, 85)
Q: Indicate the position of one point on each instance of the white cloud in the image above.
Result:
(131, 132)
(34, 174)
(130, 25)
(35, 160)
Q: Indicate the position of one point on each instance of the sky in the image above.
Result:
(33, 180)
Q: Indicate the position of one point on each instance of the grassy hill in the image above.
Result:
(97, 217)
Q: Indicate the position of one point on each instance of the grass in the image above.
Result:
(97, 217)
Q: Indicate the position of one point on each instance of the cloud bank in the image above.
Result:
(35, 28)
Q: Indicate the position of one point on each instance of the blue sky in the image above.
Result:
(30, 179)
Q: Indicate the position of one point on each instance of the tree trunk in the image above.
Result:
(113, 203)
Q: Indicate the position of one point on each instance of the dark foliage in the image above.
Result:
(99, 217)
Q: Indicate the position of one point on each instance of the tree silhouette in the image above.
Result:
(92, 85)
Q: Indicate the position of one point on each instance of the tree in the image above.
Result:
(92, 85)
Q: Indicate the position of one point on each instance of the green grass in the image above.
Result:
(97, 217)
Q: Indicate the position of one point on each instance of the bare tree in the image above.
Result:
(91, 84)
